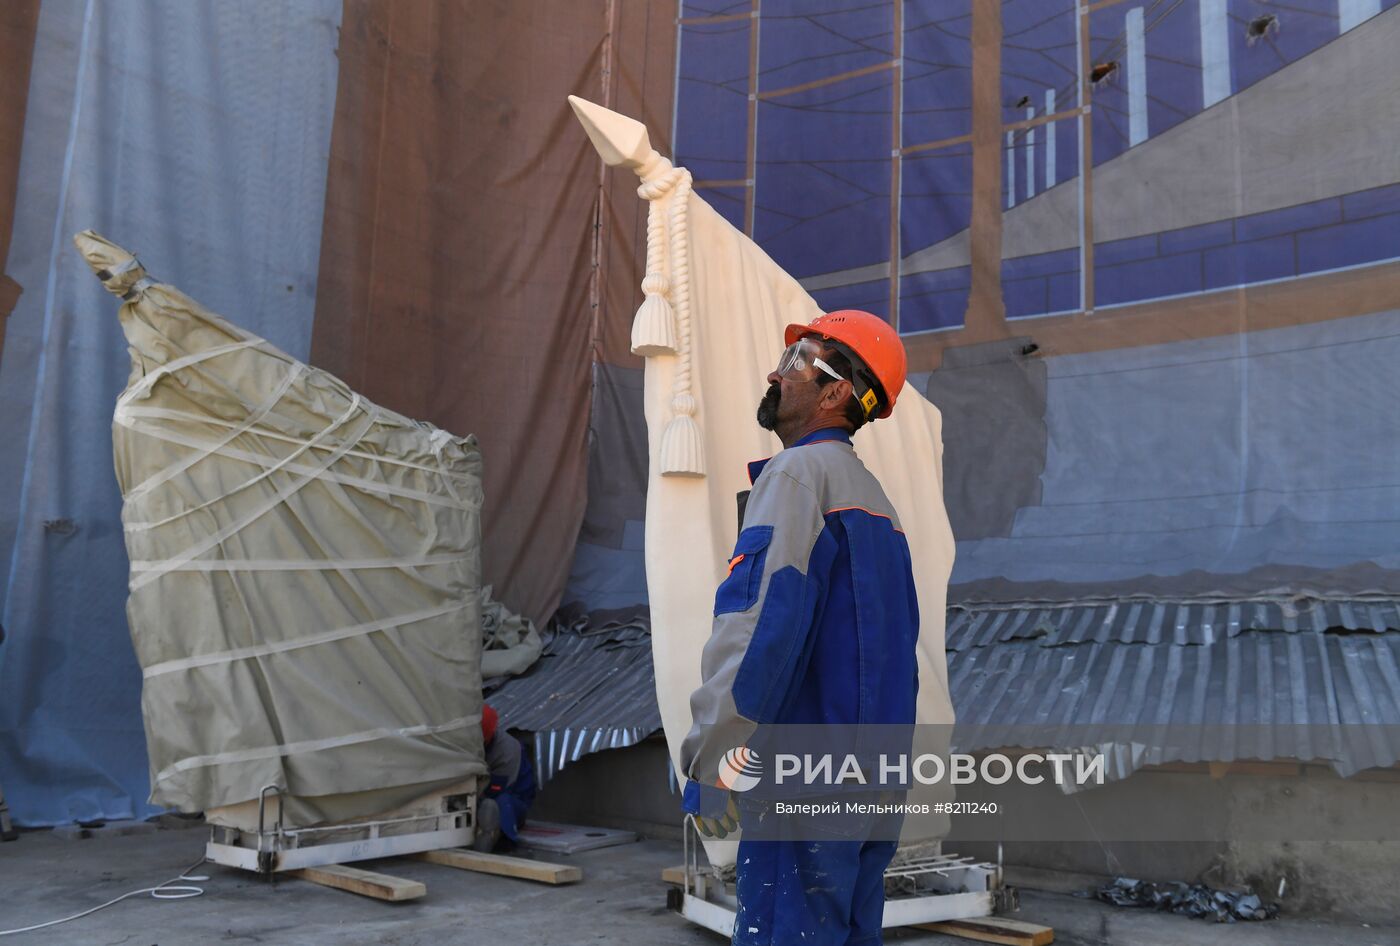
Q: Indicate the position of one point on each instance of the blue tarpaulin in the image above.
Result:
(197, 134)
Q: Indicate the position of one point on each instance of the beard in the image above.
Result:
(768, 408)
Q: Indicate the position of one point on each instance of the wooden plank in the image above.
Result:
(1042, 120)
(995, 929)
(726, 18)
(1086, 169)
(896, 163)
(751, 133)
(934, 145)
(674, 875)
(367, 883)
(829, 80)
(1376, 775)
(524, 869)
(1217, 313)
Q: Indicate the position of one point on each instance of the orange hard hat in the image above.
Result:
(489, 719)
(872, 339)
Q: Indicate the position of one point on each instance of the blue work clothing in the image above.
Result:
(816, 622)
(512, 786)
(822, 893)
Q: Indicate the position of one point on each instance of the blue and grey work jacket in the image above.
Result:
(817, 620)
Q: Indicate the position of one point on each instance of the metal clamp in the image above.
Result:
(267, 859)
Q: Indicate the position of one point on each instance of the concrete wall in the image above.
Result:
(620, 788)
(1335, 842)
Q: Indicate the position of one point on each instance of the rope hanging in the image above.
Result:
(654, 329)
(662, 328)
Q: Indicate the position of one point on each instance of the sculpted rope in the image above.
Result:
(653, 330)
(682, 453)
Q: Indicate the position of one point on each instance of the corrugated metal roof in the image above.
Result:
(1258, 679)
(1159, 622)
(588, 691)
(1257, 695)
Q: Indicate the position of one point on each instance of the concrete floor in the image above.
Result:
(621, 900)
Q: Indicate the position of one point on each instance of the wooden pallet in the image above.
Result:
(995, 929)
(367, 883)
(386, 887)
(503, 865)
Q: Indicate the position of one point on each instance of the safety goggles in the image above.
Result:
(801, 356)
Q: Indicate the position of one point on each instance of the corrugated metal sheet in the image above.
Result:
(1258, 695)
(587, 692)
(1164, 622)
(1234, 681)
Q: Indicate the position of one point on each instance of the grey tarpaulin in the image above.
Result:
(510, 642)
(593, 689)
(305, 587)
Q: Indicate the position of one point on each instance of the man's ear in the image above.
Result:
(842, 390)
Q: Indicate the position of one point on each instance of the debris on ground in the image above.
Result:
(1194, 900)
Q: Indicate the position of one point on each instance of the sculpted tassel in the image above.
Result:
(654, 328)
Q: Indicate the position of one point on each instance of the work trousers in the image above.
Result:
(812, 893)
(515, 799)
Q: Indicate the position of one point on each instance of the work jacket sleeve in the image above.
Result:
(763, 616)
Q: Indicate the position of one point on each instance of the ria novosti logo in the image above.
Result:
(740, 769)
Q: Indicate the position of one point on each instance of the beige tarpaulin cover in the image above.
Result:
(305, 589)
(728, 303)
(510, 641)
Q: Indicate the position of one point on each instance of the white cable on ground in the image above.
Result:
(161, 892)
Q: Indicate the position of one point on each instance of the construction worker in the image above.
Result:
(816, 623)
(500, 812)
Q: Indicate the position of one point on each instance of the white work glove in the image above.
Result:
(721, 826)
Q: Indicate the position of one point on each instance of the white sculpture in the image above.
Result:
(704, 378)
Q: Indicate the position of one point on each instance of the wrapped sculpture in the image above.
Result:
(305, 593)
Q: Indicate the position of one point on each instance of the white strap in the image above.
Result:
(263, 461)
(143, 387)
(292, 564)
(163, 413)
(279, 497)
(310, 745)
(268, 471)
(277, 647)
(125, 266)
(175, 469)
(138, 287)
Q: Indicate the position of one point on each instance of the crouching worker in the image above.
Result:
(816, 623)
(500, 811)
